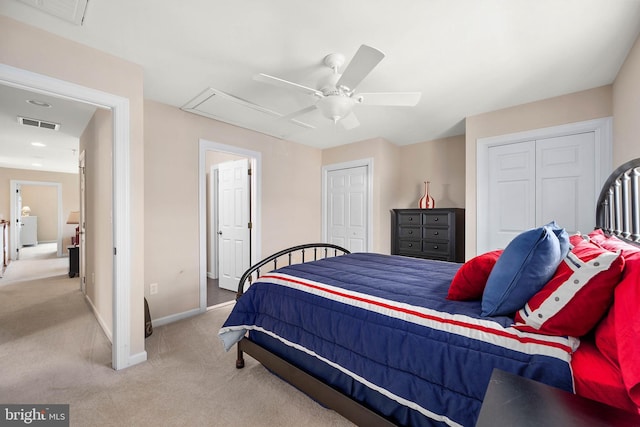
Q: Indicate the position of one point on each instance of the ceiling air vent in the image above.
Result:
(38, 123)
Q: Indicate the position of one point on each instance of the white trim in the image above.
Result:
(256, 197)
(119, 106)
(101, 322)
(603, 135)
(368, 162)
(13, 186)
(175, 317)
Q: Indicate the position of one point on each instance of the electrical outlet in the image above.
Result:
(153, 288)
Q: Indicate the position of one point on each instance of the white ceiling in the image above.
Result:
(465, 56)
(60, 150)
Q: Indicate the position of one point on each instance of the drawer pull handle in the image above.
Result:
(435, 233)
(410, 245)
(435, 246)
(436, 218)
(410, 218)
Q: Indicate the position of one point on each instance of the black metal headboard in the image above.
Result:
(618, 208)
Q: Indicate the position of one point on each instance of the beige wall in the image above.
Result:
(575, 107)
(290, 185)
(43, 202)
(35, 50)
(399, 173)
(441, 162)
(97, 144)
(626, 109)
(69, 185)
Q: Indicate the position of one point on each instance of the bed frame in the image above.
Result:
(310, 385)
(617, 213)
(618, 207)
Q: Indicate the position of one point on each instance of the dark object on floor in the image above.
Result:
(74, 260)
(148, 327)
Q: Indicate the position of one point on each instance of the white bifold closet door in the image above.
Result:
(534, 182)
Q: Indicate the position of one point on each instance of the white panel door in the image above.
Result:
(347, 195)
(233, 220)
(534, 182)
(512, 192)
(566, 182)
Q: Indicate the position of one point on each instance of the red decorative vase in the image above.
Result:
(426, 201)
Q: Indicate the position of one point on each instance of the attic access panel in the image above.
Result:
(69, 10)
(221, 106)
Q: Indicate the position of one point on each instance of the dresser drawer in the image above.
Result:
(410, 245)
(410, 232)
(440, 219)
(436, 250)
(441, 234)
(410, 219)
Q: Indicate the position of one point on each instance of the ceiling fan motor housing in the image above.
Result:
(335, 107)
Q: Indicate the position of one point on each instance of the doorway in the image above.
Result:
(122, 331)
(242, 213)
(44, 200)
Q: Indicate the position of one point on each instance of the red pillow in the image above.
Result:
(574, 239)
(577, 296)
(612, 243)
(469, 282)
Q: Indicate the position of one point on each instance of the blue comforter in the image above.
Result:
(380, 328)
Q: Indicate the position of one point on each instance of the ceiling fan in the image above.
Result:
(336, 94)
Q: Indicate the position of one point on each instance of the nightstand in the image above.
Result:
(512, 400)
(74, 260)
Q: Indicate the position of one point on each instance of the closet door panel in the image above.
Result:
(512, 195)
(566, 181)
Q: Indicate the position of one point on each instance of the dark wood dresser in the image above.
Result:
(428, 233)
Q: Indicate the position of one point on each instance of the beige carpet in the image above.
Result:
(53, 351)
(37, 262)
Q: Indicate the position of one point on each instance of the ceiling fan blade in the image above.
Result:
(400, 99)
(265, 78)
(365, 60)
(350, 121)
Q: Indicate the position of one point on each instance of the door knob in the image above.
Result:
(220, 233)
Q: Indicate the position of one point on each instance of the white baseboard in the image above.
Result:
(211, 275)
(134, 359)
(175, 317)
(101, 321)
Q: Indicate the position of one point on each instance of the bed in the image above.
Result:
(391, 340)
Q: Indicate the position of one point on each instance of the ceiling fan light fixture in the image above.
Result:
(335, 107)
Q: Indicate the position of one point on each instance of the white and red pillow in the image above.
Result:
(577, 296)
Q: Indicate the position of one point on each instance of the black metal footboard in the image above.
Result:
(294, 255)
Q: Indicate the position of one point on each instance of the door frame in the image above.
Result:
(119, 106)
(212, 223)
(368, 162)
(13, 187)
(603, 134)
(255, 159)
